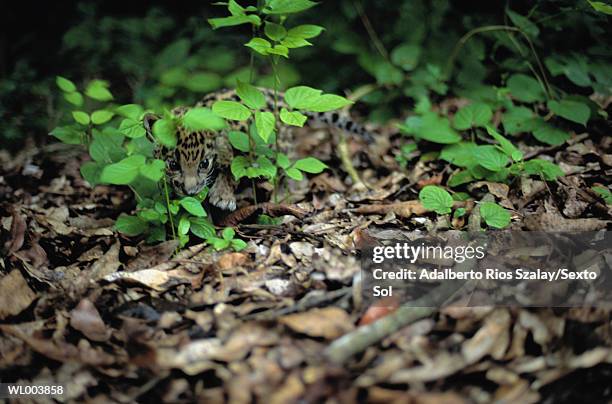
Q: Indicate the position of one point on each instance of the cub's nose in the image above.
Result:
(190, 185)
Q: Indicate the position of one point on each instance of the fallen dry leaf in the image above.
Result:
(328, 322)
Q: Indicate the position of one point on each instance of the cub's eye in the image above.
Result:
(173, 165)
(204, 164)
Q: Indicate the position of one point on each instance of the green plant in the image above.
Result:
(122, 154)
(264, 157)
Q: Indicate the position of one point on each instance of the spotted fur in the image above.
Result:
(203, 158)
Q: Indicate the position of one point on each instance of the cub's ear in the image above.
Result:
(148, 120)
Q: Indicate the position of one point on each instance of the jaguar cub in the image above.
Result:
(203, 158)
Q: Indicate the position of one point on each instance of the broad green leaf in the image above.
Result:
(544, 168)
(518, 120)
(301, 97)
(511, 150)
(123, 172)
(310, 165)
(265, 122)
(203, 82)
(131, 225)
(601, 7)
(174, 77)
(238, 244)
(149, 215)
(98, 90)
(287, 6)
(280, 50)
(239, 166)
(193, 206)
(460, 178)
(75, 98)
(132, 128)
(274, 31)
(305, 31)
(437, 199)
(202, 119)
(81, 117)
(228, 233)
(107, 147)
(91, 172)
(153, 170)
(65, 85)
(292, 42)
(219, 243)
(571, 110)
(251, 95)
(231, 110)
(202, 228)
(546, 133)
(68, 134)
(525, 88)
(259, 45)
(282, 160)
(294, 173)
(132, 111)
(494, 215)
(294, 118)
(164, 131)
(523, 23)
(431, 127)
(101, 116)
(234, 20)
(406, 56)
(604, 193)
(264, 167)
(328, 102)
(491, 158)
(184, 225)
(463, 154)
(239, 140)
(473, 115)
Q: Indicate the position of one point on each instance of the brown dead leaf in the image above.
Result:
(492, 336)
(18, 228)
(86, 318)
(271, 209)
(153, 278)
(328, 322)
(232, 260)
(15, 294)
(152, 255)
(402, 209)
(549, 219)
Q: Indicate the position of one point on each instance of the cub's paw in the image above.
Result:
(221, 194)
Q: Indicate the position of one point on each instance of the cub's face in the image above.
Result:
(190, 166)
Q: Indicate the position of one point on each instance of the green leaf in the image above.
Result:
(123, 172)
(274, 31)
(518, 120)
(571, 110)
(328, 102)
(234, 20)
(494, 215)
(251, 95)
(460, 178)
(461, 154)
(219, 243)
(101, 116)
(132, 111)
(228, 233)
(279, 50)
(193, 206)
(292, 42)
(282, 160)
(65, 85)
(523, 23)
(238, 245)
(431, 127)
(263, 167)
(75, 98)
(202, 119)
(202, 228)
(601, 7)
(473, 115)
(511, 150)
(437, 199)
(548, 134)
(294, 173)
(310, 165)
(406, 56)
(525, 88)
(107, 147)
(231, 110)
(239, 140)
(259, 45)
(491, 158)
(604, 193)
(203, 82)
(239, 166)
(294, 118)
(91, 172)
(265, 122)
(98, 90)
(184, 225)
(164, 131)
(81, 117)
(68, 134)
(287, 6)
(153, 170)
(132, 128)
(301, 97)
(543, 168)
(305, 31)
(131, 225)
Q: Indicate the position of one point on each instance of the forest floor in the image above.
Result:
(112, 318)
